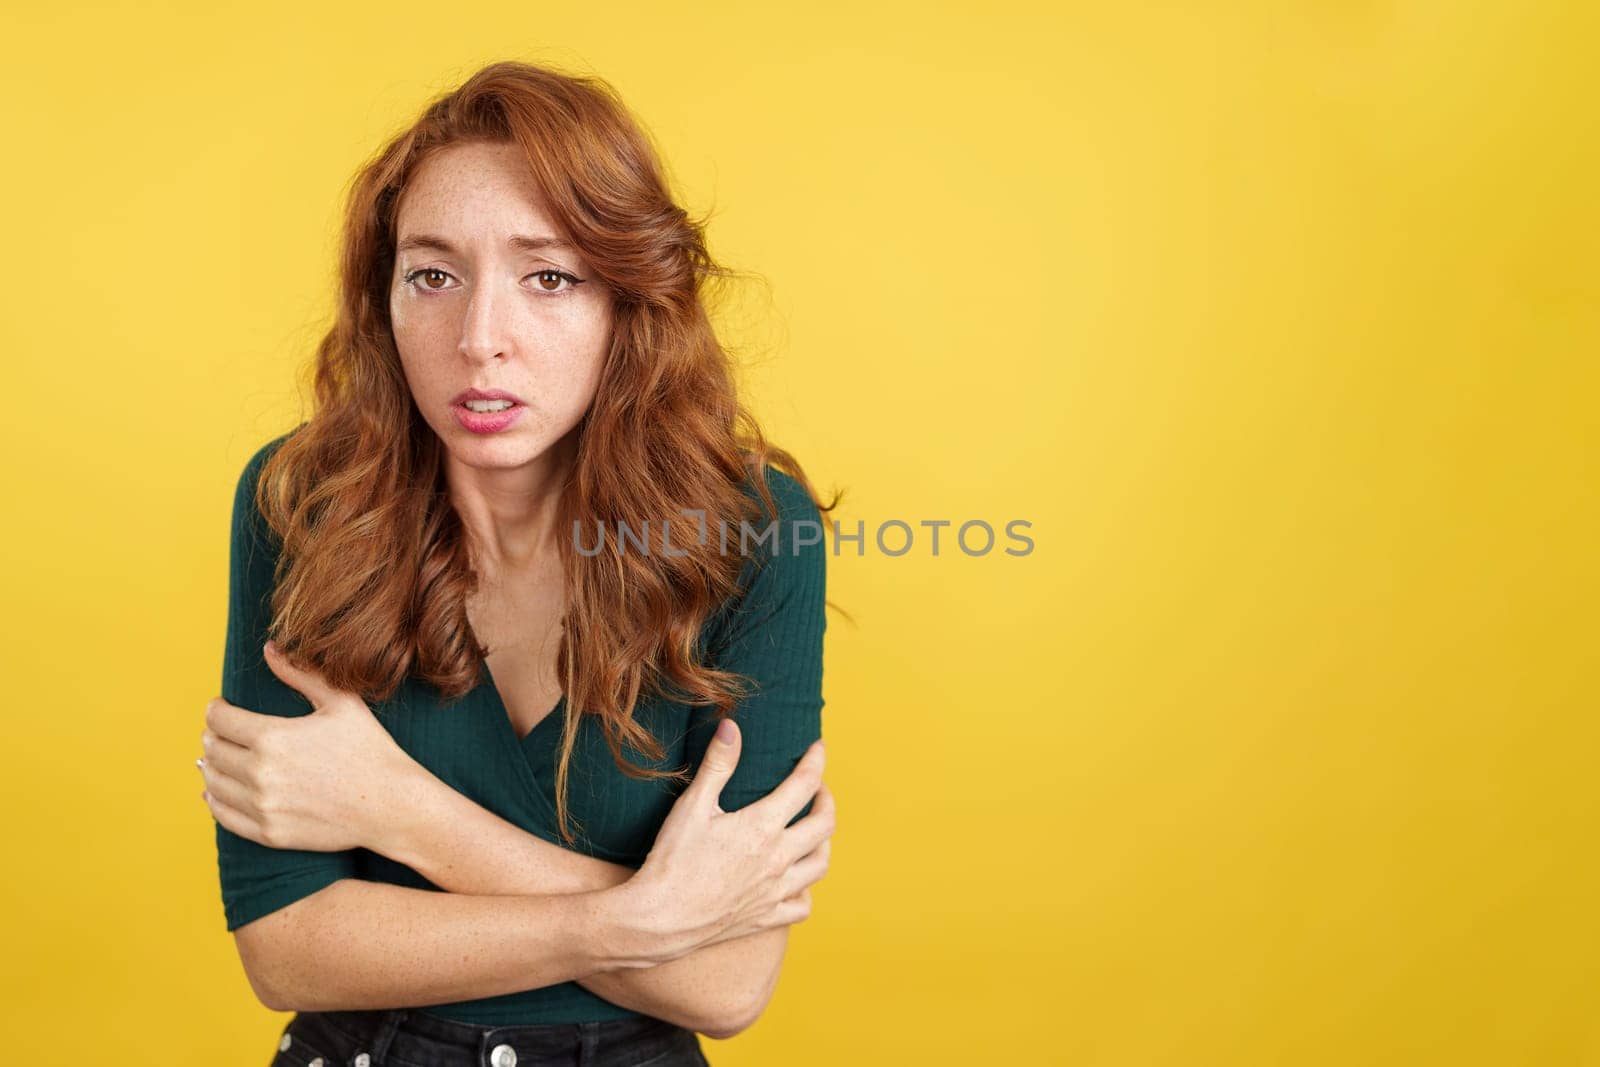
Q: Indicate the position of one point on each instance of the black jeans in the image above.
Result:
(401, 1038)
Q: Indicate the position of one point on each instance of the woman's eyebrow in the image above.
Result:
(518, 241)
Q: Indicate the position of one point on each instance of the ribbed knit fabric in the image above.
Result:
(771, 632)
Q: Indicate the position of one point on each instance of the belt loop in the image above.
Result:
(385, 1035)
(588, 1043)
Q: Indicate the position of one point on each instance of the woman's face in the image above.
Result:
(486, 296)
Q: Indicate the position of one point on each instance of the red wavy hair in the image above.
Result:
(375, 571)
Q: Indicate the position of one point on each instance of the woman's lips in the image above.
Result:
(487, 422)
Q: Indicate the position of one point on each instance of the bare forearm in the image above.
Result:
(463, 848)
(361, 945)
(717, 990)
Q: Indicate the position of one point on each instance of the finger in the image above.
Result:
(308, 684)
(793, 910)
(806, 871)
(226, 755)
(794, 791)
(239, 725)
(810, 832)
(233, 819)
(716, 767)
(230, 791)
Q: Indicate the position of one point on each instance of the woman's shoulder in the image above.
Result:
(795, 530)
(789, 494)
(782, 577)
(249, 525)
(782, 551)
(258, 459)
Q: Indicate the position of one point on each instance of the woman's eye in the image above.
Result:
(426, 271)
(547, 281)
(555, 278)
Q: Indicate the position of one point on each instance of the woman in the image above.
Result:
(523, 562)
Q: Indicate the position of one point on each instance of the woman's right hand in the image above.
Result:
(713, 876)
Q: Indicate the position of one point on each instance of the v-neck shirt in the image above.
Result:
(770, 631)
(490, 684)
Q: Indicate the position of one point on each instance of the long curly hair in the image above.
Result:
(375, 570)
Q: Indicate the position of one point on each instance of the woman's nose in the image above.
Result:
(484, 333)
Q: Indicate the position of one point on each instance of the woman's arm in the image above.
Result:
(710, 878)
(462, 847)
(416, 819)
(359, 945)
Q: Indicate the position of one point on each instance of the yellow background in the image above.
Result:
(1277, 321)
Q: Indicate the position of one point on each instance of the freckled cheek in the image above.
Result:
(409, 315)
(419, 335)
(409, 328)
(574, 382)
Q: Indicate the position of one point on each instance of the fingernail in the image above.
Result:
(725, 731)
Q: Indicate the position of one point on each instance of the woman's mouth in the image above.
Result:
(487, 416)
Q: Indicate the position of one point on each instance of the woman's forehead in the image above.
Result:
(460, 187)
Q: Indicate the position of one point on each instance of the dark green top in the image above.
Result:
(770, 632)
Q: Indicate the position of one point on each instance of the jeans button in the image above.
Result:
(316, 1062)
(503, 1056)
(363, 1060)
(284, 1043)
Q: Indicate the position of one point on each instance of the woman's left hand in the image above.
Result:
(323, 782)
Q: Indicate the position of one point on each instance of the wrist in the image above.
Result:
(629, 932)
(403, 815)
